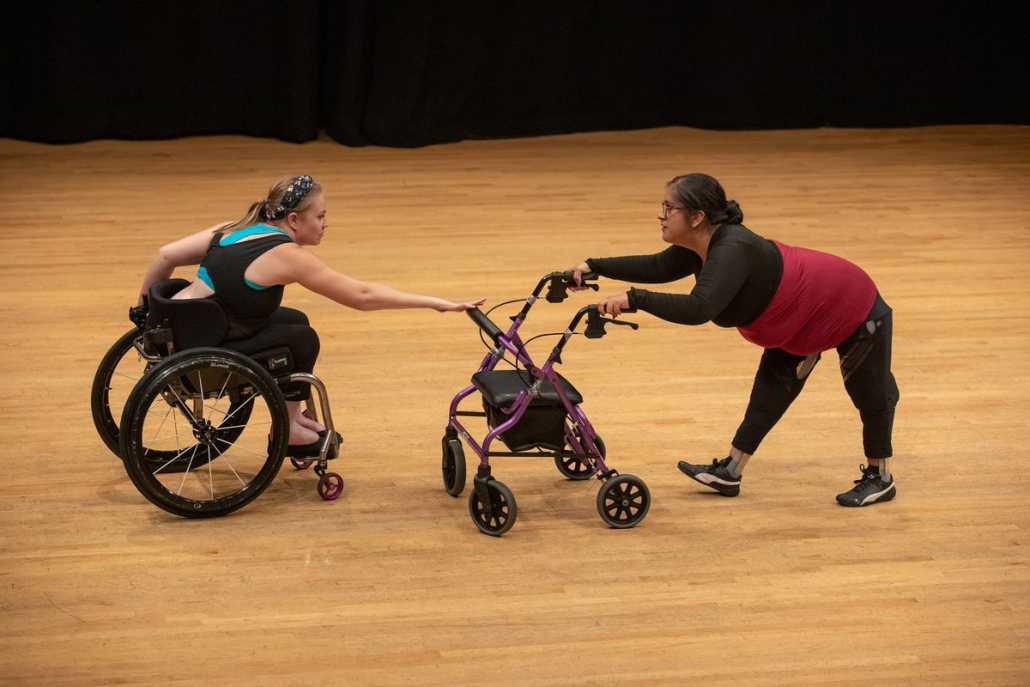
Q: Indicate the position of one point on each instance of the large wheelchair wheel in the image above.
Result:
(120, 370)
(204, 432)
(118, 374)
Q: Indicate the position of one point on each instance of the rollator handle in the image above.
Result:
(484, 323)
(570, 280)
(559, 283)
(596, 322)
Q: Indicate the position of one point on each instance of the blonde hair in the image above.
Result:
(267, 209)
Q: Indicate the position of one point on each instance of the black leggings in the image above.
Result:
(865, 361)
(287, 327)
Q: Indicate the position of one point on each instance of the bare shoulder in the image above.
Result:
(288, 262)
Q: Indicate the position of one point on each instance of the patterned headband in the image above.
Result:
(299, 188)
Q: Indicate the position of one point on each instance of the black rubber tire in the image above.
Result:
(106, 415)
(623, 501)
(499, 518)
(453, 466)
(163, 396)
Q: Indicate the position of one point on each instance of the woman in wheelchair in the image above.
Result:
(244, 267)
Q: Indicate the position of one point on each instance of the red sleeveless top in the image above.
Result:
(820, 301)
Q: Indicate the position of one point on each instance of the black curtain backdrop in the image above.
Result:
(418, 72)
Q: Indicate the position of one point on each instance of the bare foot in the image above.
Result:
(305, 421)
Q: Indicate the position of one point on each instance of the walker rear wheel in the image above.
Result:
(574, 468)
(453, 466)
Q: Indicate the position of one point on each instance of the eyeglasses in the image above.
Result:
(668, 207)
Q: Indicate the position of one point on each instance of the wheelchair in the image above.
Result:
(201, 428)
(534, 411)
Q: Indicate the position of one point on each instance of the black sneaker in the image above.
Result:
(717, 476)
(871, 488)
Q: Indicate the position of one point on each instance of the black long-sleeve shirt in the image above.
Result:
(733, 286)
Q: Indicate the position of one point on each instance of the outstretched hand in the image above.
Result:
(447, 306)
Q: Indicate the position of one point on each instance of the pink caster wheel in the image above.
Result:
(330, 486)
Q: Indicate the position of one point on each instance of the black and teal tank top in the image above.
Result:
(248, 305)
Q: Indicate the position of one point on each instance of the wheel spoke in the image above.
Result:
(186, 472)
(160, 426)
(250, 399)
(134, 378)
(171, 460)
(231, 444)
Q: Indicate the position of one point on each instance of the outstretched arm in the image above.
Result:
(313, 274)
(675, 262)
(717, 285)
(186, 251)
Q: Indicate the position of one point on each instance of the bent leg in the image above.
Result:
(289, 327)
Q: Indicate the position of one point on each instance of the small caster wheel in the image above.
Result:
(453, 467)
(301, 463)
(575, 469)
(330, 486)
(623, 501)
(499, 516)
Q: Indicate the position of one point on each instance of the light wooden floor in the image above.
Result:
(392, 584)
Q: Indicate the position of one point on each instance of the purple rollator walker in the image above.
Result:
(535, 411)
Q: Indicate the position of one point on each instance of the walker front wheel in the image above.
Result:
(498, 516)
(623, 501)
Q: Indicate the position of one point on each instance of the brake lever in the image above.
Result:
(596, 323)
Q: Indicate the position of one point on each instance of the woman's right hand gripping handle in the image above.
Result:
(579, 274)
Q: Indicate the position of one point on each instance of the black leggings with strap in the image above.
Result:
(865, 361)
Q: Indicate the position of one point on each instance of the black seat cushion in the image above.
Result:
(500, 387)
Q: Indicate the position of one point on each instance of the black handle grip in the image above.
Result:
(583, 279)
(138, 315)
(484, 323)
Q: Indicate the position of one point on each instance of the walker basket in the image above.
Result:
(541, 426)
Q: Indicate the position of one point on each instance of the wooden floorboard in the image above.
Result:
(392, 584)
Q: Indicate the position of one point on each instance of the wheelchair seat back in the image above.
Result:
(175, 325)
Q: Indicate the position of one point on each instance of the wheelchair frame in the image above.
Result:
(169, 383)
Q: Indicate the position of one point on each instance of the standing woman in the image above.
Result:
(245, 265)
(793, 302)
